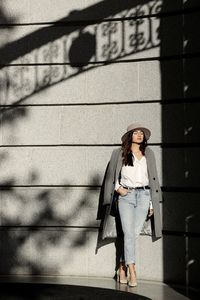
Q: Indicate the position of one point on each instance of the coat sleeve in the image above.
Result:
(156, 194)
(154, 181)
(109, 182)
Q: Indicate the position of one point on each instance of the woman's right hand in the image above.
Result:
(121, 191)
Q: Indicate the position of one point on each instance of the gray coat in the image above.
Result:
(153, 225)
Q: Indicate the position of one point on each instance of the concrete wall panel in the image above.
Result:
(68, 252)
(183, 173)
(149, 78)
(145, 84)
(29, 11)
(49, 207)
(59, 165)
(77, 125)
(149, 269)
(185, 208)
(35, 126)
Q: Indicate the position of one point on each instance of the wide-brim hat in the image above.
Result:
(136, 126)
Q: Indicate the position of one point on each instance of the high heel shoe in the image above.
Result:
(132, 283)
(121, 280)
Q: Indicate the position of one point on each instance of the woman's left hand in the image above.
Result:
(150, 212)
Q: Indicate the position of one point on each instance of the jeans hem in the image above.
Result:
(131, 262)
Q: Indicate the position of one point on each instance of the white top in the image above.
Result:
(134, 176)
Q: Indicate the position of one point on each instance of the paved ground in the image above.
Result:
(149, 289)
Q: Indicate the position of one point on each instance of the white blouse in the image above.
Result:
(134, 176)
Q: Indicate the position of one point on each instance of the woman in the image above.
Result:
(132, 176)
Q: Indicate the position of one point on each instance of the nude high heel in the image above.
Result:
(119, 279)
(122, 281)
(132, 283)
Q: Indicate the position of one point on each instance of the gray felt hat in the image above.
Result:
(136, 126)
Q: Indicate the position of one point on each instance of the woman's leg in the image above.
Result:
(122, 272)
(132, 275)
(141, 210)
(127, 216)
(122, 265)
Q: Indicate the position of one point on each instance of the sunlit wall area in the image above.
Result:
(73, 75)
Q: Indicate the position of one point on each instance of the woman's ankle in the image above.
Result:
(122, 269)
(122, 266)
(131, 269)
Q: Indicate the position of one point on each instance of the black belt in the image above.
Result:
(146, 187)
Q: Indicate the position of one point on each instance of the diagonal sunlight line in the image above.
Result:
(80, 22)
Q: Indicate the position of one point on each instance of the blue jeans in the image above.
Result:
(133, 210)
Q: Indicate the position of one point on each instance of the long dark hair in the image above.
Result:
(127, 156)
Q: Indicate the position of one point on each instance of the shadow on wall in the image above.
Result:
(35, 220)
(4, 29)
(37, 224)
(180, 131)
(70, 46)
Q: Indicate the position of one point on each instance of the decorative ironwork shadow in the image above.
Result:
(106, 33)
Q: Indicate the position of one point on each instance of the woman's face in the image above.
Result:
(138, 136)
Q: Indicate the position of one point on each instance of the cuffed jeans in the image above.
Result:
(133, 210)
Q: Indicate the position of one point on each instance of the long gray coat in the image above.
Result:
(153, 225)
